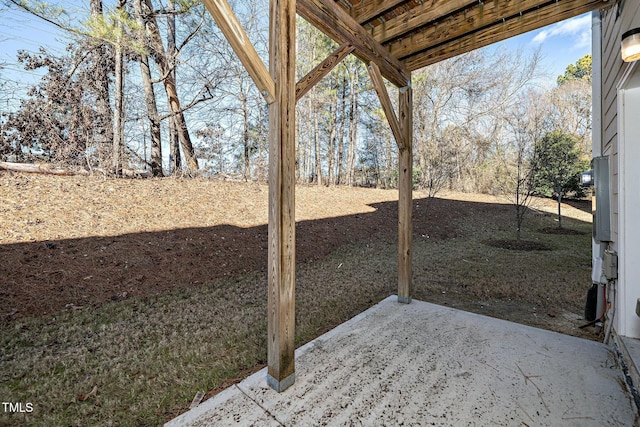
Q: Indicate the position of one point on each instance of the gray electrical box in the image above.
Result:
(602, 202)
(610, 265)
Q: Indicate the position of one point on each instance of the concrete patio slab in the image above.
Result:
(422, 364)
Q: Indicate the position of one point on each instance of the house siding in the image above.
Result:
(624, 174)
(613, 24)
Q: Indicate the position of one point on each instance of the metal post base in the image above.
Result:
(404, 300)
(281, 386)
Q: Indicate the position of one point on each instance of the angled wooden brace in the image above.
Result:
(318, 73)
(235, 34)
(387, 107)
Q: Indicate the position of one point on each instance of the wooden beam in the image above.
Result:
(460, 23)
(235, 34)
(385, 101)
(318, 73)
(368, 9)
(405, 197)
(556, 12)
(282, 176)
(429, 11)
(335, 22)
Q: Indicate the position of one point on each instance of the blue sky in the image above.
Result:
(561, 44)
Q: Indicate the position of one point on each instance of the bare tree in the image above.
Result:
(118, 122)
(515, 174)
(174, 141)
(101, 70)
(354, 83)
(161, 58)
(570, 111)
(150, 99)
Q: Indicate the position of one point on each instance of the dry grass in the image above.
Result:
(39, 208)
(149, 355)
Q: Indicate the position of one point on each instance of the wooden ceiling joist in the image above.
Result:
(366, 10)
(541, 17)
(480, 16)
(422, 32)
(417, 17)
(335, 22)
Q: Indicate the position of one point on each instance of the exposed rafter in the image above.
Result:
(366, 10)
(422, 32)
(484, 15)
(552, 13)
(417, 17)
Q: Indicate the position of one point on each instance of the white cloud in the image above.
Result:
(577, 28)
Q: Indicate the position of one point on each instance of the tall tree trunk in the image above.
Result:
(301, 148)
(340, 139)
(316, 146)
(353, 127)
(174, 142)
(118, 123)
(104, 121)
(307, 171)
(174, 147)
(170, 87)
(332, 142)
(389, 169)
(245, 136)
(559, 207)
(150, 100)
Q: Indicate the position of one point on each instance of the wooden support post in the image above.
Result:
(405, 200)
(237, 38)
(282, 265)
(318, 73)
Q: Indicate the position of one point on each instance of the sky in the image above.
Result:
(561, 44)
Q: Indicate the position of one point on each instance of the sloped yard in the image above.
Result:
(146, 291)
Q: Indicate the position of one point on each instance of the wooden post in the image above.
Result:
(405, 199)
(281, 298)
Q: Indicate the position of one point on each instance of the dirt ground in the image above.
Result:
(73, 242)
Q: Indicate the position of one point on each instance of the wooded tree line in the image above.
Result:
(146, 84)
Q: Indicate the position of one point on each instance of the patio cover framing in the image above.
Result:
(394, 38)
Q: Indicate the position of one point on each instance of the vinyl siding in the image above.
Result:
(613, 69)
